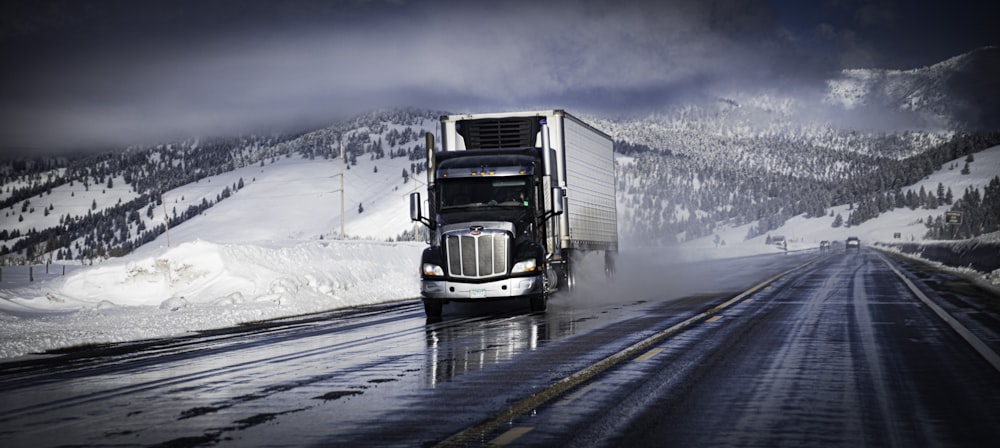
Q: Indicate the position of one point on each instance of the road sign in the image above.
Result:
(953, 217)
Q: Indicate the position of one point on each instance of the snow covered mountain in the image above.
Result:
(959, 93)
(766, 156)
(753, 159)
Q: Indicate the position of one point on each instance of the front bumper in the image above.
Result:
(508, 287)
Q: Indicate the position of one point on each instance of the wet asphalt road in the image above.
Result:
(837, 353)
(840, 354)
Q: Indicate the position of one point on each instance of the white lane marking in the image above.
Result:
(973, 340)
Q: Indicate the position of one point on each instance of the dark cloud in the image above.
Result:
(84, 74)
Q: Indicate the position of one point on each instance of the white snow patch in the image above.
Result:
(201, 285)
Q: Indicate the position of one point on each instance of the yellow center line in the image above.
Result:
(510, 436)
(573, 396)
(714, 318)
(649, 354)
(534, 401)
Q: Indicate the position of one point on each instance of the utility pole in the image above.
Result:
(166, 219)
(343, 163)
(341, 190)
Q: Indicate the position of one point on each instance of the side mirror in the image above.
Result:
(557, 201)
(415, 207)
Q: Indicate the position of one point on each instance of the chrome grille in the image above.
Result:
(477, 256)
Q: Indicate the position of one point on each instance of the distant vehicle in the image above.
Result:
(853, 243)
(824, 245)
(779, 241)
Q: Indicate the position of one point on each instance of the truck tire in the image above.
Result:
(538, 303)
(609, 264)
(569, 275)
(570, 278)
(432, 308)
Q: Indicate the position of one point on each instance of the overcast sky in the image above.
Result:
(79, 74)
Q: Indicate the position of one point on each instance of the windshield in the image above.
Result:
(484, 192)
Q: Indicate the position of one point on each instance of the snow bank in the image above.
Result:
(201, 285)
(978, 257)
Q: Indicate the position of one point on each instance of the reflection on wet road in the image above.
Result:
(840, 354)
(382, 376)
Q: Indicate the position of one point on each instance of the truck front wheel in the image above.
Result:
(432, 308)
(538, 303)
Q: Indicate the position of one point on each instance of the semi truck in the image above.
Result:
(514, 203)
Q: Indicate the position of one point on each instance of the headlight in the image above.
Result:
(524, 266)
(432, 270)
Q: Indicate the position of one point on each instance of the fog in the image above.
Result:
(115, 73)
(663, 275)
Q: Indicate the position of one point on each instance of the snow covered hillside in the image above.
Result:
(296, 198)
(245, 260)
(268, 251)
(909, 224)
(109, 204)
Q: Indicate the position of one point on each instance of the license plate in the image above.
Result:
(477, 293)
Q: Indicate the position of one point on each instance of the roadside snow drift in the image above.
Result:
(201, 285)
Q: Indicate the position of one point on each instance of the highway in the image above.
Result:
(806, 349)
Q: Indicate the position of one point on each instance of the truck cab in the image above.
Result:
(496, 197)
(487, 229)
